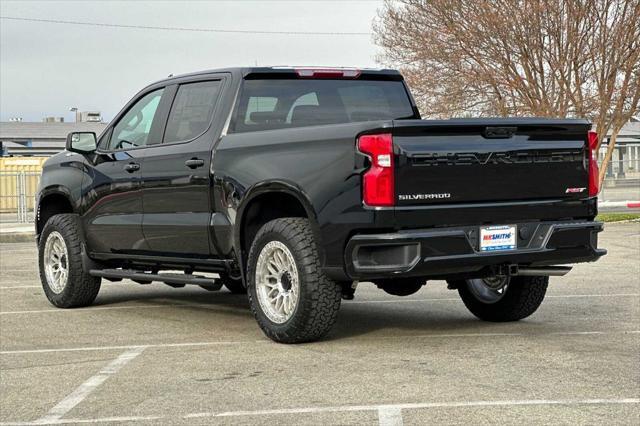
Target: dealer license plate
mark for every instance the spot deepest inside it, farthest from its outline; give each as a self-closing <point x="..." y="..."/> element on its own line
<point x="498" y="238"/>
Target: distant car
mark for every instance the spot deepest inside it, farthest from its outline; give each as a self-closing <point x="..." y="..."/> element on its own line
<point x="293" y="184"/>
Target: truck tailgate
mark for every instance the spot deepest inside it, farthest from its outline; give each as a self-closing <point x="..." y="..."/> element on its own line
<point x="489" y="160"/>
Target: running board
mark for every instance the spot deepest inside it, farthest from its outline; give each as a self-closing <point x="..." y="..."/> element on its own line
<point x="146" y="277"/>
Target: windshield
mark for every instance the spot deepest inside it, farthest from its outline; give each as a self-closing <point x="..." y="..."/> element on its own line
<point x="279" y="104"/>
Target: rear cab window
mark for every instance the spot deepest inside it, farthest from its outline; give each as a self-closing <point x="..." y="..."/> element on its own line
<point x="266" y="104"/>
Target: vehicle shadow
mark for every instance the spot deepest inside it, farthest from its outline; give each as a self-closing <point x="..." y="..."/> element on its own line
<point x="362" y="319"/>
<point x="354" y="319"/>
<point x="156" y="294"/>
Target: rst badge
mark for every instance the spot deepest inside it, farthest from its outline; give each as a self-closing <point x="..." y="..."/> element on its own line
<point x="497" y="238"/>
<point x="574" y="190"/>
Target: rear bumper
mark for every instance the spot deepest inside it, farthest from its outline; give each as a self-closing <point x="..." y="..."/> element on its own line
<point x="454" y="251"/>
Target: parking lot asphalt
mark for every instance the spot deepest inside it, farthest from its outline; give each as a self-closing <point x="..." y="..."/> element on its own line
<point x="157" y="355"/>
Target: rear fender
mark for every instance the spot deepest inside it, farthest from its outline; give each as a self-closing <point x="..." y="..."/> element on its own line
<point x="274" y="186"/>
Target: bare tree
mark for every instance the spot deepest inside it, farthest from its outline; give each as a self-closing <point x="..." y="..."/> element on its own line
<point x="550" y="58"/>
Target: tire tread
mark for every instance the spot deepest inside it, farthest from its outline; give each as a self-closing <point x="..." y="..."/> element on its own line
<point x="321" y="302"/>
<point x="81" y="288"/>
<point x="524" y="296"/>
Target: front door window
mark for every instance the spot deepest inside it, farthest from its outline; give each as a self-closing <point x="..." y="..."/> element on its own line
<point x="132" y="131"/>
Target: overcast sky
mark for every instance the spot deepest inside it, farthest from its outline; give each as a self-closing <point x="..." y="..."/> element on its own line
<point x="46" y="68"/>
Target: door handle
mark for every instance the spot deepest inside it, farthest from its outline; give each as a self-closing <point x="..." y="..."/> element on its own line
<point x="132" y="167"/>
<point x="194" y="163"/>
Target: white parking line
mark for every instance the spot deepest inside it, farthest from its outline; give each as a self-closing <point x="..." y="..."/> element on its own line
<point x="264" y="341"/>
<point x="455" y="299"/>
<point x="34" y="270"/>
<point x="213" y="305"/>
<point x="390" y="416"/>
<point x="391" y="413"/>
<point x="82" y="391"/>
<point x="108" y="308"/>
<point x="127" y="419"/>
<point x="19" y="286"/>
<point x="563" y="333"/>
<point x="553" y="296"/>
<point x="110" y="348"/>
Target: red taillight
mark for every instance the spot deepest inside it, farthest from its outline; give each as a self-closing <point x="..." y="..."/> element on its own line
<point x="594" y="173"/>
<point x="377" y="182"/>
<point x="328" y="72"/>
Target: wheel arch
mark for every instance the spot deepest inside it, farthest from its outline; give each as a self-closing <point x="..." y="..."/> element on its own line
<point x="52" y="201"/>
<point x="268" y="201"/>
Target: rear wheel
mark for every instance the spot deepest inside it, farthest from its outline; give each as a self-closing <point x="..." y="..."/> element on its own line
<point x="290" y="297"/>
<point x="502" y="299"/>
<point x="64" y="280"/>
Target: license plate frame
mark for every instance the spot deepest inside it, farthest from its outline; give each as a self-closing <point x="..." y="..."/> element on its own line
<point x="498" y="238"/>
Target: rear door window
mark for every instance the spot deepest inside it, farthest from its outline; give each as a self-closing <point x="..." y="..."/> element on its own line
<point x="191" y="111"/>
<point x="288" y="103"/>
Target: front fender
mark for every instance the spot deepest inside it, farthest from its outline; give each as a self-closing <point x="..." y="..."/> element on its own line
<point x="63" y="174"/>
<point x="55" y="190"/>
<point x="51" y="190"/>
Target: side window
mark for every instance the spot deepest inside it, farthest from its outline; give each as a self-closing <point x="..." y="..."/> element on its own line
<point x="191" y="110"/>
<point x="133" y="128"/>
<point x="256" y="106"/>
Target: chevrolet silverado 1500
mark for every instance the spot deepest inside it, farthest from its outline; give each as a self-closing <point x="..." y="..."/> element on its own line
<point x="293" y="184"/>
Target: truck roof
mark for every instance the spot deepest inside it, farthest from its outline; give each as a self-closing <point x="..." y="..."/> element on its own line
<point x="273" y="71"/>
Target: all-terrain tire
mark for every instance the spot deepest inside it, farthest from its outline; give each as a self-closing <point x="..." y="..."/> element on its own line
<point x="81" y="288"/>
<point x="233" y="285"/>
<point x="319" y="297"/>
<point x="522" y="298"/>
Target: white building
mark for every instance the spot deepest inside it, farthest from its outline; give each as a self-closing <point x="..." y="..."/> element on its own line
<point x="37" y="139"/>
<point x="625" y="160"/>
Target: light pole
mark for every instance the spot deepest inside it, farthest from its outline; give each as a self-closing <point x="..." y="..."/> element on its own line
<point x="74" y="109"/>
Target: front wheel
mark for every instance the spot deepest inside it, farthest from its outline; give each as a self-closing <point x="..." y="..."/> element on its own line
<point x="65" y="281"/>
<point x="290" y="297"/>
<point x="502" y="299"/>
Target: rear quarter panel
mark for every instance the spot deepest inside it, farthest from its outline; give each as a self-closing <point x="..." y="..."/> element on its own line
<point x="318" y="162"/>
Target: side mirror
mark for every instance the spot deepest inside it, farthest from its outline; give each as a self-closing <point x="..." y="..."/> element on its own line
<point x="81" y="142"/>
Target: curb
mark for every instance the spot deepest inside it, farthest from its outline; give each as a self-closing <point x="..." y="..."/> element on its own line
<point x="618" y="204"/>
<point x="17" y="237"/>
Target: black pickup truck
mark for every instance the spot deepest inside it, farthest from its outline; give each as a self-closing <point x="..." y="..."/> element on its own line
<point x="292" y="185"/>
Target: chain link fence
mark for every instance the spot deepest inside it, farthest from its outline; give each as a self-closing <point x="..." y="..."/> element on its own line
<point x="18" y="196"/>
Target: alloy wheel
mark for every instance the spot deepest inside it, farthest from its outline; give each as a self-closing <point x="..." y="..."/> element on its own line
<point x="488" y="290"/>
<point x="56" y="262"/>
<point x="277" y="282"/>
